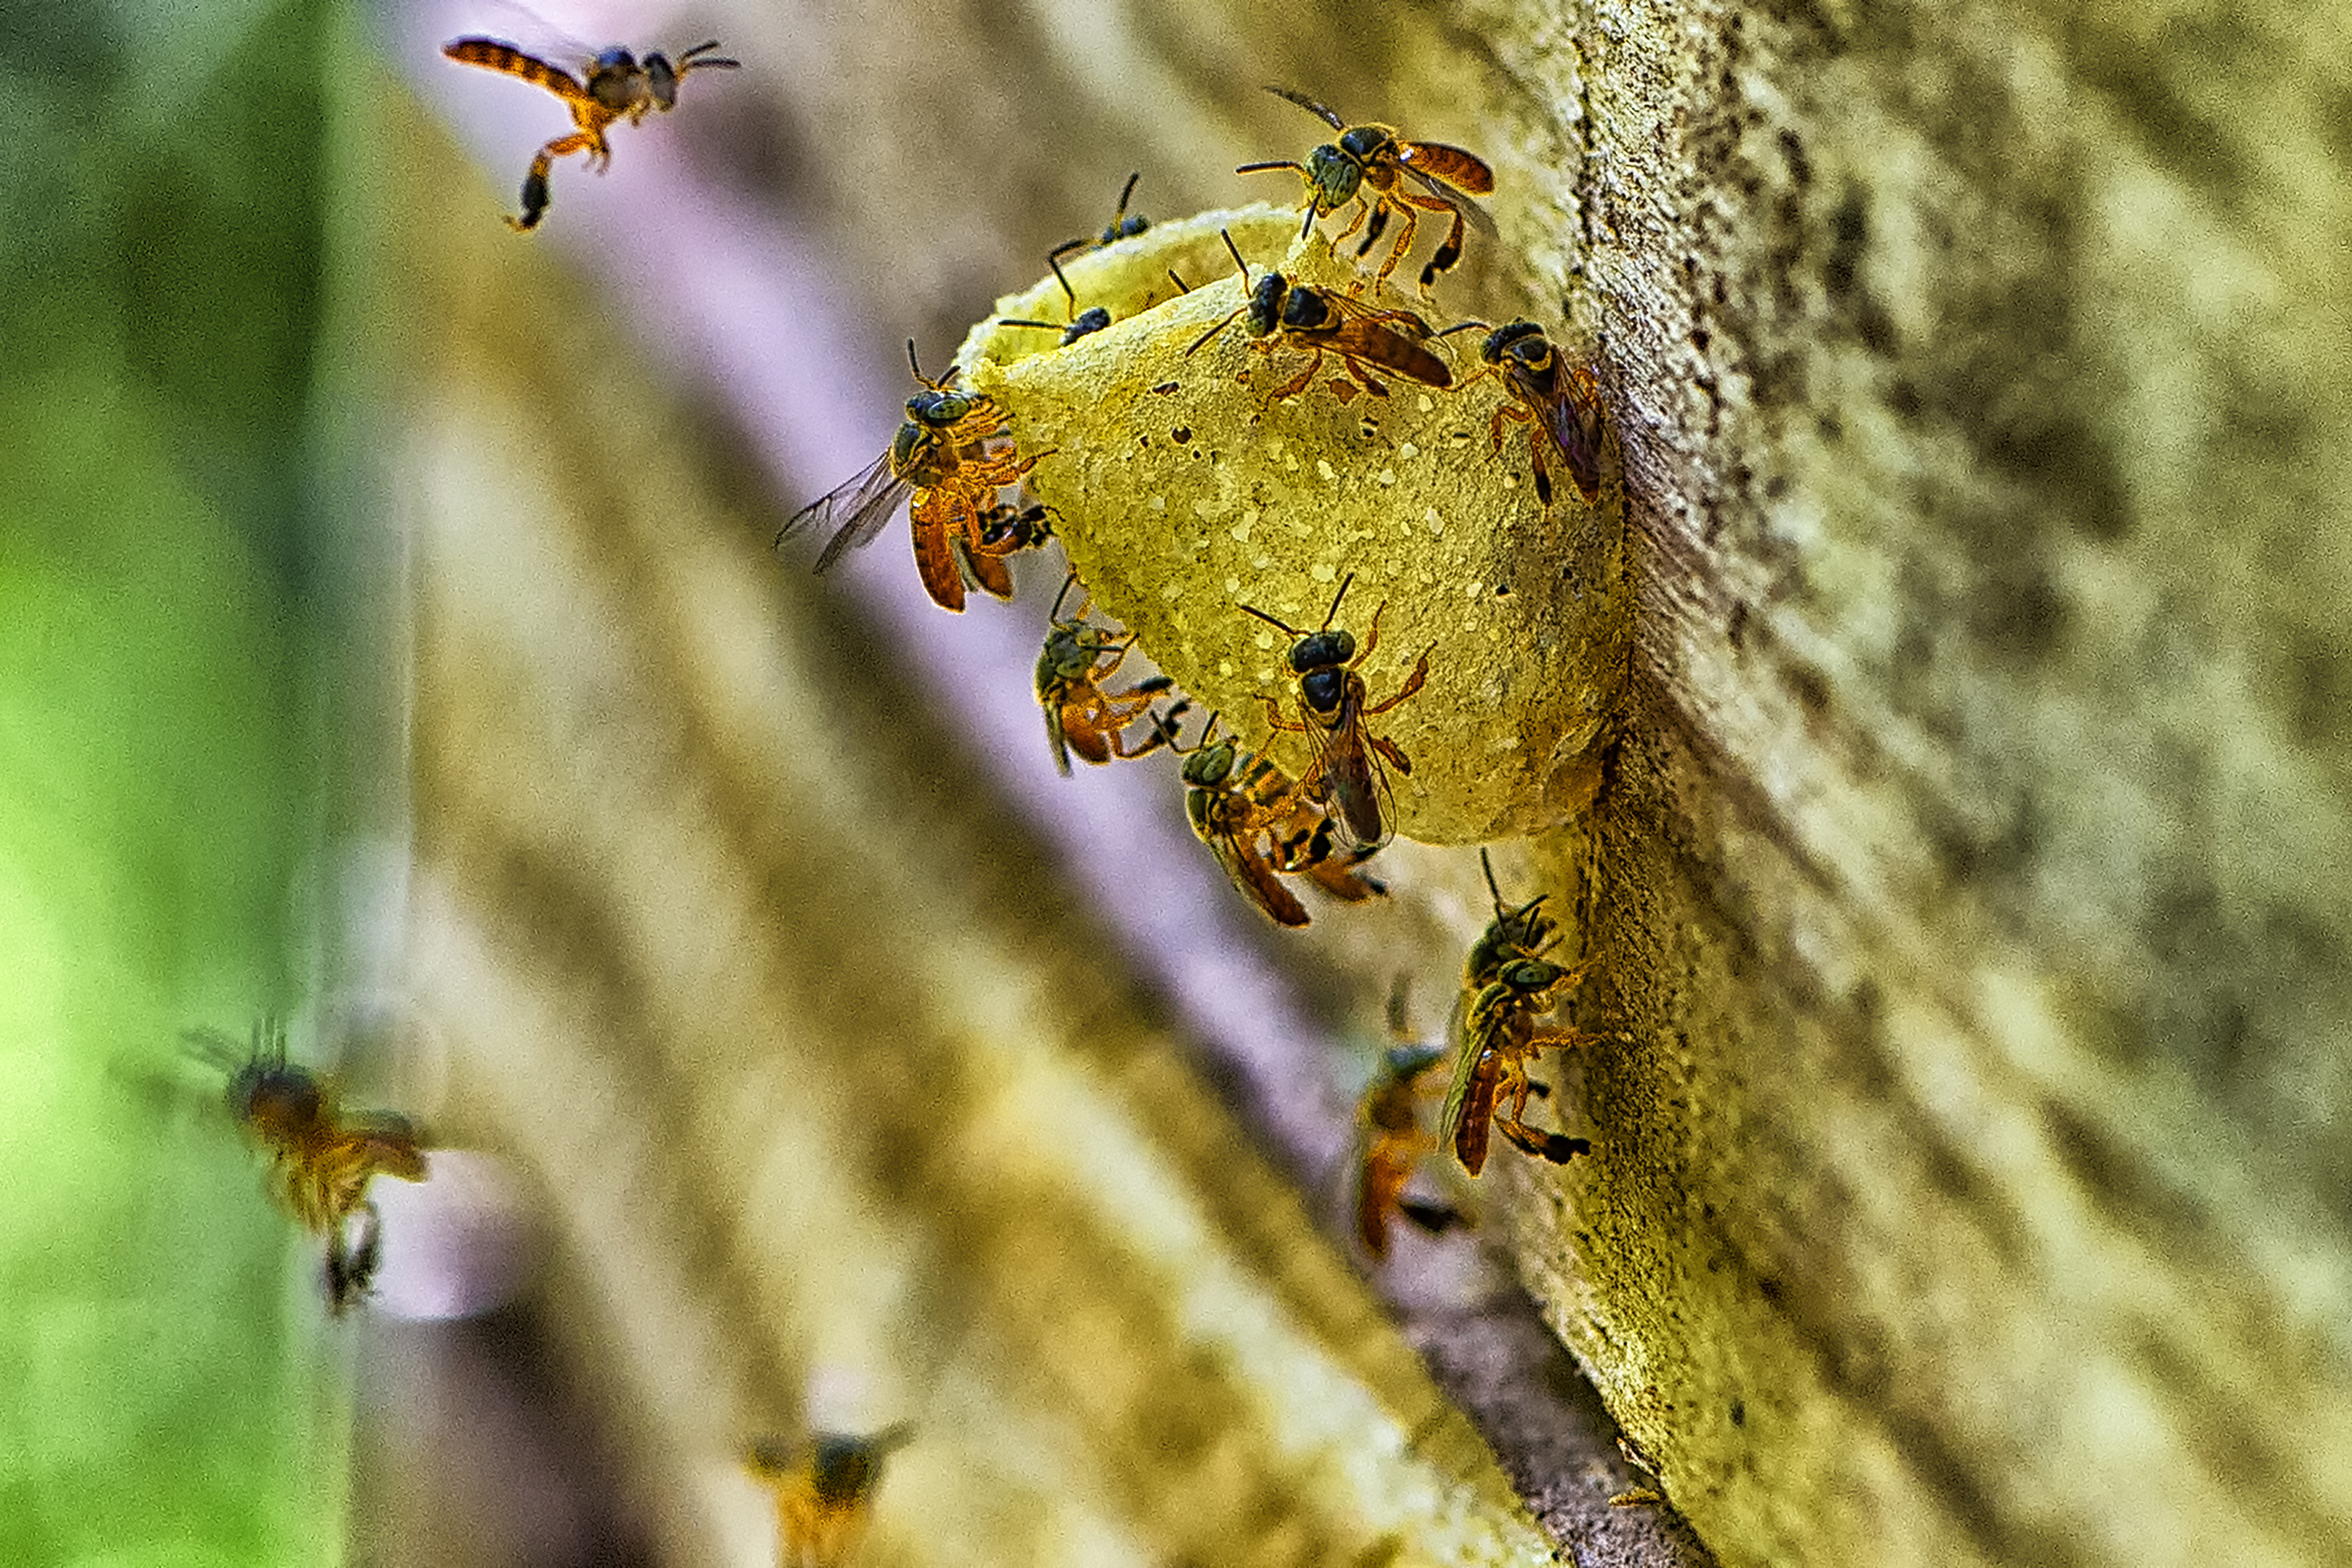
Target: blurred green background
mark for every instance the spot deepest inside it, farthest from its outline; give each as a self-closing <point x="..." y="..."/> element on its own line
<point x="165" y="597"/>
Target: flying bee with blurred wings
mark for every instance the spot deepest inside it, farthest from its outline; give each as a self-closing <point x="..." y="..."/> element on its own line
<point x="823" y="1490"/>
<point x="1280" y="314"/>
<point x="1375" y="158"/>
<point x="1261" y="826"/>
<point x="1561" y="401"/>
<point x="1333" y="704"/>
<point x="1390" y="1143"/>
<point x="948" y="461"/>
<point x="1080" y="716"/>
<point x="321" y="1157"/>
<point x="612" y="85"/>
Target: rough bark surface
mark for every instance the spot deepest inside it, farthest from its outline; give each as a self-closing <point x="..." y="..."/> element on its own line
<point x="1969" y="1189"/>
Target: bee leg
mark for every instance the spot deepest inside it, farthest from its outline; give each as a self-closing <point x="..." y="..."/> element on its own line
<point x="1535" y="461"/>
<point x="1297" y="383"/>
<point x="1360" y="210"/>
<point x="1372" y="230"/>
<point x="1404" y="242"/>
<point x="352" y="1268"/>
<point x="1371" y="384"/>
<point x="1448" y="252"/>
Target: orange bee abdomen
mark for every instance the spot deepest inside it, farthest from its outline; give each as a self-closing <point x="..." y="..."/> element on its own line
<point x="493" y="55"/>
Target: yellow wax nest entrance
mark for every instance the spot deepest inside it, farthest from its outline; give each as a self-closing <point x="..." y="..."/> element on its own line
<point x="1183" y="494"/>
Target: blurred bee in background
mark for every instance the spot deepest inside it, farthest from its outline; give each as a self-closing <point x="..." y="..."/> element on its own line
<point x="1333" y="705"/>
<point x="1122" y="225"/>
<point x="1080" y="716"/>
<point x="947" y="462"/>
<point x="321" y="1157"/>
<point x="1390" y="1140"/>
<point x="1262" y="827"/>
<point x="823" y="1490"/>
<point x="1299" y="315"/>
<point x="1375" y="157"/>
<point x="614" y="85"/>
<point x="1563" y="402"/>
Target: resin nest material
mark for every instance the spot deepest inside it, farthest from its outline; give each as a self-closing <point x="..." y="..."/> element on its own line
<point x="1183" y="494"/>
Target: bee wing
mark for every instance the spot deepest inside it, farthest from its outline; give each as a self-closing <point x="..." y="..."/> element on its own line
<point x="1572" y="420"/>
<point x="1460" y="1086"/>
<point x="526" y="29"/>
<point x="1354" y="784"/>
<point x="1249" y="871"/>
<point x="855" y="511"/>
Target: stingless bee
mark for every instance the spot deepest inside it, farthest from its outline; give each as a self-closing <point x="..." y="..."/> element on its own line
<point x="1499" y="1041"/>
<point x="1332" y="706"/>
<point x="947" y="463"/>
<point x="1080" y="716"/>
<point x="1374" y="157"/>
<point x="823" y="1490"/>
<point x="1561" y="401"/>
<point x="321" y="1157"/>
<point x="1391" y="1142"/>
<point x="1517" y="931"/>
<point x="1093" y="318"/>
<point x="1122" y="225"/>
<point x="612" y="86"/>
<point x="1302" y="316"/>
<point x="1261" y="826"/>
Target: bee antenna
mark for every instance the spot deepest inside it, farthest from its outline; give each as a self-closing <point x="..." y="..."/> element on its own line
<point x="1487" y="864"/>
<point x="1227" y="236"/>
<point x="1329" y="117"/>
<point x="1055" y="613"/>
<point x="1054" y="260"/>
<point x="1182" y="287"/>
<point x="1465" y="326"/>
<point x="1226" y="322"/>
<point x="1280" y="627"/>
<point x="1335" y="602"/>
<point x="913" y="366"/>
<point x="1125" y="191"/>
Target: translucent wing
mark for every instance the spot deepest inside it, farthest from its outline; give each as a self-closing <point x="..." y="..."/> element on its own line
<point x="854" y="511"/>
<point x="1249" y="871"/>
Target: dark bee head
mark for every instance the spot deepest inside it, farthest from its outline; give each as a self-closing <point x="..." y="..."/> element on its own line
<point x="940" y="409"/>
<point x="613" y="81"/>
<point x="845" y="1467"/>
<point x="1069" y="654"/>
<point x="1529" y="975"/>
<point x="1125" y="228"/>
<point x="1093" y="318"/>
<point x="274" y="1099"/>
<point x="1335" y="174"/>
<point x="1321" y="650"/>
<point x="661" y="80"/>
<point x="1210" y="764"/>
<point x="1266" y="303"/>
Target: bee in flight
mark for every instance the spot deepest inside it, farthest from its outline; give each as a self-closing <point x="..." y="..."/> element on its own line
<point x="1299" y="315"/>
<point x="1390" y="1143"/>
<point x="823" y="1490"/>
<point x="1506" y="988"/>
<point x="1080" y="716"/>
<point x="1561" y="401"/>
<point x="1375" y="157"/>
<point x="1333" y="705"/>
<point x="1262" y="827"/>
<point x="321" y="1157"/>
<point x="614" y="85"/>
<point x="947" y="462"/>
